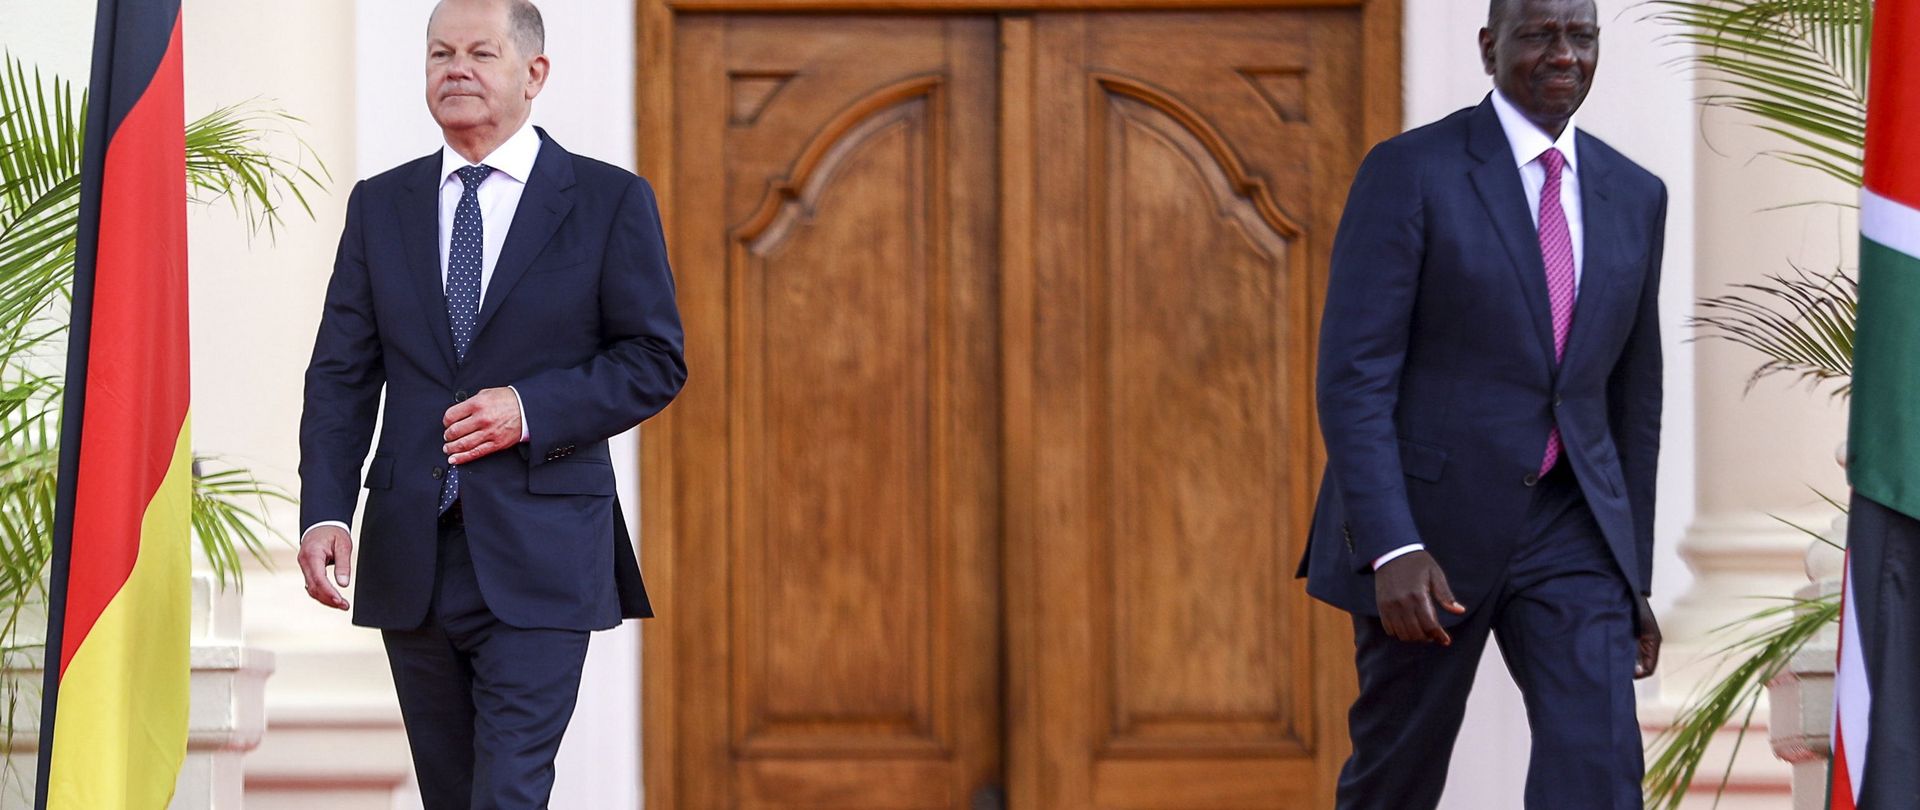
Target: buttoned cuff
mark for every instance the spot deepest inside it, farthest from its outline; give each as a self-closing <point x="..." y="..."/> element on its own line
<point x="525" y="432"/>
<point x="1398" y="553"/>
<point x="309" y="530"/>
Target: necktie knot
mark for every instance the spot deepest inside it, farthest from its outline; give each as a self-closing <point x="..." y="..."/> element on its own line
<point x="1553" y="161"/>
<point x="473" y="176"/>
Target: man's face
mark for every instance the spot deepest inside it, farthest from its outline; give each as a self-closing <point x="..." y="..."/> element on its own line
<point x="476" y="75"/>
<point x="1541" y="54"/>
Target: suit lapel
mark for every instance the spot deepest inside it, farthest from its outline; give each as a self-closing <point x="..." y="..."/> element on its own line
<point x="1497" y="181"/>
<point x="1598" y="268"/>
<point x="419" y="205"/>
<point x="543" y="206"/>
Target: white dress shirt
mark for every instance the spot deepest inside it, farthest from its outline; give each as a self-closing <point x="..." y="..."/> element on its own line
<point x="1529" y="142"/>
<point x="499" y="198"/>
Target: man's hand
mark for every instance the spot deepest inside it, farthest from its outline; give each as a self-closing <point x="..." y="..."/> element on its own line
<point x="325" y="546"/>
<point x="486" y="423"/>
<point x="1407" y="588"/>
<point x="1648" y="631"/>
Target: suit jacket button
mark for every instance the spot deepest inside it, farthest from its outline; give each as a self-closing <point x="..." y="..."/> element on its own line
<point x="459" y="396"/>
<point x="439" y="471"/>
<point x="1556" y="400"/>
<point x="1531" y="479"/>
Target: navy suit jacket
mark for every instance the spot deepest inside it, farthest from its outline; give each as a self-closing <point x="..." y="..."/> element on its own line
<point x="1437" y="385"/>
<point x="578" y="316"/>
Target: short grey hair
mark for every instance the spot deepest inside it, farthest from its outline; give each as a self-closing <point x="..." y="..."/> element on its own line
<point x="529" y="32"/>
<point x="524" y="26"/>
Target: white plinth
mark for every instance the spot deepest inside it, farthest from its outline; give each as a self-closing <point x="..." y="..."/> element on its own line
<point x="225" y="718"/>
<point x="1802" y="701"/>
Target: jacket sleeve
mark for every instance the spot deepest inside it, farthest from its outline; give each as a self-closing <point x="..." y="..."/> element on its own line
<point x="640" y="366"/>
<point x="1634" y="393"/>
<point x="343" y="383"/>
<point x="1372" y="286"/>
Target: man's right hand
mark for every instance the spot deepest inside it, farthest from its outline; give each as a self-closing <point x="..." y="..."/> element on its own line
<point x="1407" y="588"/>
<point x="321" y="547"/>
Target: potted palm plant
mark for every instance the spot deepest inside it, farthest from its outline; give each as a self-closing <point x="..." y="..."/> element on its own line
<point x="41" y="133"/>
<point x="1797" y="69"/>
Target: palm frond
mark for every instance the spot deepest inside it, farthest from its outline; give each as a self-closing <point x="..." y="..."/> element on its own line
<point x="1802" y="324"/>
<point x="228" y="158"/>
<point x="1797" y="66"/>
<point x="230" y="515"/>
<point x="233" y="154"/>
<point x="1732" y="699"/>
<point x="40" y="134"/>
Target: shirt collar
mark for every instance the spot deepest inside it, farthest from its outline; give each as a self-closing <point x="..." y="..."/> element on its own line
<point x="514" y="158"/>
<point x="1528" y="140"/>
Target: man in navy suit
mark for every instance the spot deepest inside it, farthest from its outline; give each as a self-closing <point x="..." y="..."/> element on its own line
<point x="1489" y="392"/>
<point x="514" y="304"/>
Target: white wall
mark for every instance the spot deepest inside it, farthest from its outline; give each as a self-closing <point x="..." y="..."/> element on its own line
<point x="56" y="37"/>
<point x="587" y="107"/>
<point x="1642" y="106"/>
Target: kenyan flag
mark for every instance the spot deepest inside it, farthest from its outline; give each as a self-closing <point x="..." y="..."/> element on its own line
<point x="1876" y="734"/>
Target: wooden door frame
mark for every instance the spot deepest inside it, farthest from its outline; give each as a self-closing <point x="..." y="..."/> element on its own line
<point x="1381" y="117"/>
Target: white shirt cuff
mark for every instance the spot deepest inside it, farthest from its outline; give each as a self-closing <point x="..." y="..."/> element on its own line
<point x="309" y="530"/>
<point x="1398" y="553"/>
<point x="525" y="432"/>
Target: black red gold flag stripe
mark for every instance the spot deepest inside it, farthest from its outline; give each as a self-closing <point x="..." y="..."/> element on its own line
<point x="114" y="711"/>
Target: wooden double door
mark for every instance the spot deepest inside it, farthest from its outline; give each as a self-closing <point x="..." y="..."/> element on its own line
<point x="998" y="449"/>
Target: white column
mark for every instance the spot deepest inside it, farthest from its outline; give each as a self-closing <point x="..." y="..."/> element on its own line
<point x="1765" y="453"/>
<point x="227" y="714"/>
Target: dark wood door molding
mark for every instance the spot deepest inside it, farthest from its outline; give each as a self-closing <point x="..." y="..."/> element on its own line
<point x="997" y="449"/>
<point x="834" y="530"/>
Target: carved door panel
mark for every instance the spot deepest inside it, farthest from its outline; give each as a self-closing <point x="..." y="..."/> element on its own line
<point x="998" y="447"/>
<point x="835" y="556"/>
<point x="1189" y="175"/>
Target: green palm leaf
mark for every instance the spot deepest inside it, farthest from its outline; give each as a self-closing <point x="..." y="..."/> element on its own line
<point x="1798" y="66"/>
<point x="1802" y="325"/>
<point x="1732" y="698"/>
<point x="1799" y="69"/>
<point x="42" y="132"/>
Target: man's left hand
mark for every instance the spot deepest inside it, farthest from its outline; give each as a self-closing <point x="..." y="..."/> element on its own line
<point x="485" y="423"/>
<point x="1648" y="655"/>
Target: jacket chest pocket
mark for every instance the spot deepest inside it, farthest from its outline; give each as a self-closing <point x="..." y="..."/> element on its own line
<point x="572" y="263"/>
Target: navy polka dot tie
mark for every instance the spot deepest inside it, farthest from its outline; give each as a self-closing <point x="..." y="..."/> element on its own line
<point x="463" y="287"/>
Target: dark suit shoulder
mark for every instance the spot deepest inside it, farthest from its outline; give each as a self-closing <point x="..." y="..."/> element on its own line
<point x="1447" y="135"/>
<point x="392" y="179"/>
<point x="1415" y="154"/>
<point x="1624" y="173"/>
<point x="599" y="173"/>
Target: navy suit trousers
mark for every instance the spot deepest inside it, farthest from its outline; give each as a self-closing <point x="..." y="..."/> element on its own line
<point x="1563" y="615"/>
<point x="485" y="703"/>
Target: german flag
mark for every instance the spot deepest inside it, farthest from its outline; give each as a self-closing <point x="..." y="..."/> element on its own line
<point x="114" y="711"/>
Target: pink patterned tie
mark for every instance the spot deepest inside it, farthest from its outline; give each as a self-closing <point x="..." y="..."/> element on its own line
<point x="1556" y="248"/>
